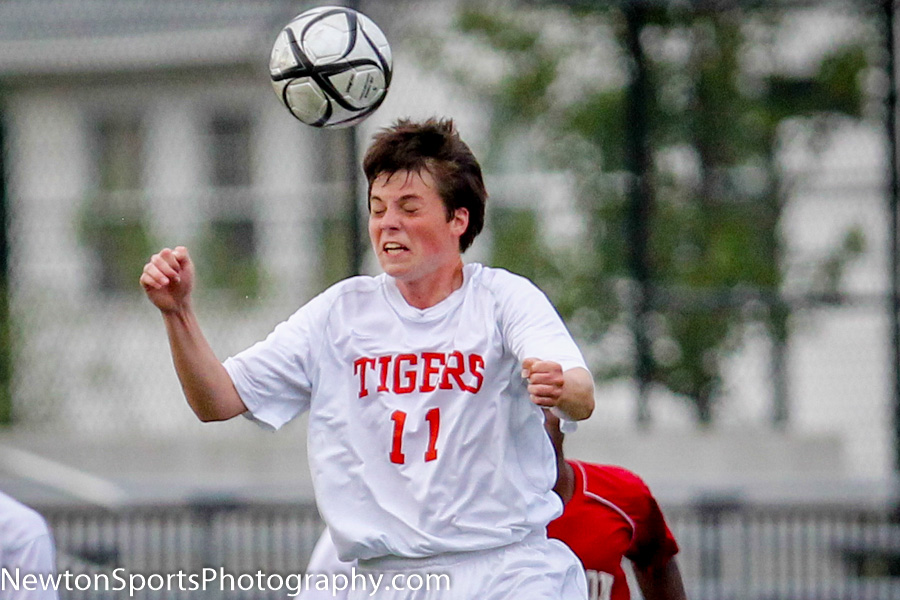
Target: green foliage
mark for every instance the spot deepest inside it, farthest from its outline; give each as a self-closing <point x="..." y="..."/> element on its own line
<point x="228" y="260"/>
<point x="827" y="279"/>
<point x="495" y="28"/>
<point x="835" y="88"/>
<point x="336" y="248"/>
<point x="120" y="243"/>
<point x="715" y="122"/>
<point x="518" y="245"/>
<point x="599" y="119"/>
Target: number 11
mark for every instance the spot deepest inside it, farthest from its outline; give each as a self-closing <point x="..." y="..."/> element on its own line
<point x="433" y="417"/>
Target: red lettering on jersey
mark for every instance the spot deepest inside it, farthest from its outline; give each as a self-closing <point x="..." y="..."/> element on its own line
<point x="359" y="368"/>
<point x="455" y="372"/>
<point x="410" y="374"/>
<point x="399" y="419"/>
<point x="429" y="368"/>
<point x="433" y="417"/>
<point x="425" y="372"/>
<point x="476" y="366"/>
<point x="384" y="365"/>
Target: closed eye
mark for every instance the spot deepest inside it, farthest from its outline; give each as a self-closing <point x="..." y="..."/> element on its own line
<point x="410" y="205"/>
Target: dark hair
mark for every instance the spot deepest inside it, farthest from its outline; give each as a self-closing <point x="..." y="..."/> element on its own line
<point x="434" y="146"/>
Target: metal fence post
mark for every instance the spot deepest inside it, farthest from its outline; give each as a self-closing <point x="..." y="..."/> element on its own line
<point x="6" y="415"/>
<point x="640" y="204"/>
<point x="893" y="193"/>
<point x="351" y="139"/>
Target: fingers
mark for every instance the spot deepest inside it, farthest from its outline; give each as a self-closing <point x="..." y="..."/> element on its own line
<point x="526" y="366"/>
<point x="180" y="254"/>
<point x="541" y="371"/>
<point x="165" y="267"/>
<point x="545" y="381"/>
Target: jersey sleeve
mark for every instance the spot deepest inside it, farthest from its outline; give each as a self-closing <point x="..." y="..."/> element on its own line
<point x="26" y="544"/>
<point x="37" y="557"/>
<point x="274" y="377"/>
<point x="653" y="543"/>
<point x="530" y="324"/>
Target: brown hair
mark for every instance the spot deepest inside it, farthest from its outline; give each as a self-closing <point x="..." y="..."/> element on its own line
<point x="434" y="146"/>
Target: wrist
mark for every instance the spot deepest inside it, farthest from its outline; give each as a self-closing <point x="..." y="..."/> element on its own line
<point x="181" y="312"/>
<point x="566" y="423"/>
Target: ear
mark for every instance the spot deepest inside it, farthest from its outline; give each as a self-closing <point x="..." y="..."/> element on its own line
<point x="460" y="221"/>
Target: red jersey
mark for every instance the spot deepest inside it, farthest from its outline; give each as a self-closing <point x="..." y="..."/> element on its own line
<point x="612" y="514"/>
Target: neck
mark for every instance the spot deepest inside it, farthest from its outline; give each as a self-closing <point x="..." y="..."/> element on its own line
<point x="428" y="291"/>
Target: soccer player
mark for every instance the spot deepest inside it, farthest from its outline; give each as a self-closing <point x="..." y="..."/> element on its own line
<point x="609" y="514"/>
<point x="27" y="545"/>
<point x="423" y="385"/>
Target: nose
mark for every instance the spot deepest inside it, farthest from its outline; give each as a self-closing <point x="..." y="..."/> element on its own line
<point x="390" y="219"/>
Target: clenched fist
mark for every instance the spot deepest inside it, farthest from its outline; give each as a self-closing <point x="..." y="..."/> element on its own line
<point x="545" y="381"/>
<point x="169" y="278"/>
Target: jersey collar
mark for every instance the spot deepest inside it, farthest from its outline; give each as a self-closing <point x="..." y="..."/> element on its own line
<point x="396" y="300"/>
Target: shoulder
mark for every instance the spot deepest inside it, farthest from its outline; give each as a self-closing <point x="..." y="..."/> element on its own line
<point x="617" y="486"/>
<point x="360" y="285"/>
<point x="19" y="524"/>
<point x="351" y="291"/>
<point x="504" y="286"/>
<point x="496" y="277"/>
<point x="606" y="476"/>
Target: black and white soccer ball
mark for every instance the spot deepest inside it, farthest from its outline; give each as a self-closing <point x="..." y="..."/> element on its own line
<point x="331" y="66"/>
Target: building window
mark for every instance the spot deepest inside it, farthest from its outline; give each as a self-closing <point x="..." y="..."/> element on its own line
<point x="230" y="150"/>
<point x="113" y="222"/>
<point x="229" y="247"/>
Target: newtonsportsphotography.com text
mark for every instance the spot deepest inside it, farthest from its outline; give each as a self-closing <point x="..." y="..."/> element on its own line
<point x="125" y="581"/>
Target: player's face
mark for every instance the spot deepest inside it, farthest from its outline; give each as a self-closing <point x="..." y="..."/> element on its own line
<point x="409" y="229"/>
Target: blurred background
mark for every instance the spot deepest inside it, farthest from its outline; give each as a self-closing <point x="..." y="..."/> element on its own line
<point x="707" y="190"/>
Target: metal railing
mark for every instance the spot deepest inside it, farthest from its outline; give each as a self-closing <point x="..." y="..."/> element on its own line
<point x="728" y="550"/>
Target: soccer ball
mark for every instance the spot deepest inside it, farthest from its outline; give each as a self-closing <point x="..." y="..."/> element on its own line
<point x="331" y="66"/>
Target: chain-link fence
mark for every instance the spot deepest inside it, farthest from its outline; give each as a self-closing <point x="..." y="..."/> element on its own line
<point x="733" y="259"/>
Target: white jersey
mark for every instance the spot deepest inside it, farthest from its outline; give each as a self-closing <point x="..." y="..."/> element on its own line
<point x="534" y="568"/>
<point x="324" y="561"/>
<point x="422" y="437"/>
<point x="25" y="544"/>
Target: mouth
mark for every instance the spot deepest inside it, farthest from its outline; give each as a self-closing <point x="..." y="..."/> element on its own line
<point x="391" y="248"/>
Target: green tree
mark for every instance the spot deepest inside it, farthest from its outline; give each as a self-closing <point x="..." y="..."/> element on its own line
<point x="720" y="112"/>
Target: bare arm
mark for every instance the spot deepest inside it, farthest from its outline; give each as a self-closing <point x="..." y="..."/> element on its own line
<point x="570" y="391"/>
<point x="661" y="582"/>
<point x="168" y="282"/>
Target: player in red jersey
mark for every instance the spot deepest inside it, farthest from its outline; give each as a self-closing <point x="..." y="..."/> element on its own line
<point x="610" y="513"/>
